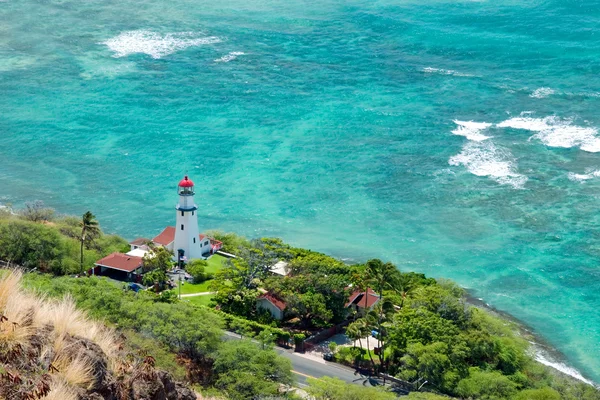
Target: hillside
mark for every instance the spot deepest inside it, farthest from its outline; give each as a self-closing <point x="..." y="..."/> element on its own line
<point x="51" y="350"/>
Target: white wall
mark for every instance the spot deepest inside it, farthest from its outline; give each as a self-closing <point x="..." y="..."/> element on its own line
<point x="267" y="305"/>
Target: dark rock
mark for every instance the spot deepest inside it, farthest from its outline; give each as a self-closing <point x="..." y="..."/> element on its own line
<point x="184" y="392"/>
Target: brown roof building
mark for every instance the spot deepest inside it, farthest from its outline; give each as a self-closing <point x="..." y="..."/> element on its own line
<point x="120" y="262"/>
<point x="273" y="304"/>
<point x="360" y="299"/>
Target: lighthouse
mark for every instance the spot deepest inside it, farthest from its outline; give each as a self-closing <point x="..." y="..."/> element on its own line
<point x="188" y="242"/>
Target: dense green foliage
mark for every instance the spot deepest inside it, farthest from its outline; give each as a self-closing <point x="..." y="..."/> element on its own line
<point x="428" y="336"/>
<point x="334" y="389"/>
<point x="239" y="368"/>
<point x="55" y="245"/>
<point x="197" y="269"/>
<point x="243" y="370"/>
<point x="426" y="333"/>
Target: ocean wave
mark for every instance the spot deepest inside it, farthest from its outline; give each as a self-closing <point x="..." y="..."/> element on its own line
<point x="154" y="44"/>
<point x="542" y="92"/>
<point x="229" y="57"/>
<point x="471" y="130"/>
<point x="556" y="132"/>
<point x="485" y="159"/>
<point x="543" y="357"/>
<point x="584" y="177"/>
<point x="440" y="71"/>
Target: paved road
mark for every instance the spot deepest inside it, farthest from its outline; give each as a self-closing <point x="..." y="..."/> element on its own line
<point x="307" y="367"/>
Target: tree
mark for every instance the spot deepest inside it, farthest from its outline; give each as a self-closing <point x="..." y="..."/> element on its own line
<point x="89" y="231"/>
<point x="31" y="245"/>
<point x="158" y="257"/>
<point x="246" y="371"/>
<point x="538" y="394"/>
<point x="310" y="308"/>
<point x="35" y="211"/>
<point x="327" y="388"/>
<point x="426" y="363"/>
<point x="196" y="268"/>
<point x="486" y="385"/>
<point x="156" y="276"/>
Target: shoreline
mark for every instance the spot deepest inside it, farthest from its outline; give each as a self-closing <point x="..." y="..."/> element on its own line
<point x="541" y="351"/>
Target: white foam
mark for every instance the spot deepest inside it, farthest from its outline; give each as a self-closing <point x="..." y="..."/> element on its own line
<point x="440" y="71"/>
<point x="542" y="93"/>
<point x="229" y="57"/>
<point x="471" y="130"/>
<point x="556" y="132"/>
<point x="584" y="177"/>
<point x="485" y="159"/>
<point x="154" y="44"/>
<point x="542" y="357"/>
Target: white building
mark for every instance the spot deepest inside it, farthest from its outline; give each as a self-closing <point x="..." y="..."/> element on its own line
<point x="183" y="239"/>
<point x="187" y="243"/>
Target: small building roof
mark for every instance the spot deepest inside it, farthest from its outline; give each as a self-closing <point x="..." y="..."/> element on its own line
<point x="166" y="237"/>
<point x="139" y="242"/>
<point x="271" y="298"/>
<point x="139" y="252"/>
<point x="280" y="268"/>
<point x="363" y="299"/>
<point x="121" y="262"/>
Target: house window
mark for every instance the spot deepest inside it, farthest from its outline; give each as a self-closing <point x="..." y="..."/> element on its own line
<point x="194" y="240"/>
<point x="181" y="226"/>
<point x="205" y="243"/>
<point x="182" y="213"/>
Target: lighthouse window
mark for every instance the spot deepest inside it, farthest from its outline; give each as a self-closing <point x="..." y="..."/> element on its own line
<point x="194" y="240"/>
<point x="192" y="213"/>
<point x="182" y="213"/>
<point x="181" y="226"/>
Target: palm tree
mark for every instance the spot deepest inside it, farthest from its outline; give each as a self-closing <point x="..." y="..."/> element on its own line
<point x="89" y="231"/>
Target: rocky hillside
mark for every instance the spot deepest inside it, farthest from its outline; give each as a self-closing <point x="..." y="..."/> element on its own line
<point x="51" y="350"/>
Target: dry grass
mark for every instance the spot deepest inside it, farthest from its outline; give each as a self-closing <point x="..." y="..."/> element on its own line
<point x="60" y="390"/>
<point x="22" y="317"/>
<point x="77" y="371"/>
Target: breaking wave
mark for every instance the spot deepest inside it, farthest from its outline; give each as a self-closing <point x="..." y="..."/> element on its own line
<point x="154" y="44"/>
<point x="556" y="132"/>
<point x="471" y="130"/>
<point x="542" y="93"/>
<point x="584" y="177"/>
<point x="440" y="71"/>
<point x="229" y="57"/>
<point x="543" y="357"/>
<point x="485" y="159"/>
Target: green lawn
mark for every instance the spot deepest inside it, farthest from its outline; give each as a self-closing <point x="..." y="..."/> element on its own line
<point x="215" y="263"/>
<point x="199" y="300"/>
<point x="189" y="288"/>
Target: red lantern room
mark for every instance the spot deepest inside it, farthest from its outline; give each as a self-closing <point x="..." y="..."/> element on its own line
<point x="186" y="187"/>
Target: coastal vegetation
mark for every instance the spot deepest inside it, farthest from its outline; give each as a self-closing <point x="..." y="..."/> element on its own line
<point x="421" y="331"/>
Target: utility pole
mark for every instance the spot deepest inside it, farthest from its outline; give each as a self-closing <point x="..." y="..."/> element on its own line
<point x="179" y="275"/>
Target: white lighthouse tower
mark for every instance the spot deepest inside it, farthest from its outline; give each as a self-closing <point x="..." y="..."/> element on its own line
<point x="187" y="244"/>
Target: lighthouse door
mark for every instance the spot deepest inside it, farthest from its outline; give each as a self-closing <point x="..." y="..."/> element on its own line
<point x="180" y="258"/>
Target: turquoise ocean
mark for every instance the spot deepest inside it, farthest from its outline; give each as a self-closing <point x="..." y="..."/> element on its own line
<point x="455" y="138"/>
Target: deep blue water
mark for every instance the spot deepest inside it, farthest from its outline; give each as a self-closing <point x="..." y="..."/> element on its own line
<point x="341" y="126"/>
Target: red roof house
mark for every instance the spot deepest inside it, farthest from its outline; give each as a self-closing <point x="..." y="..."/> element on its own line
<point x="121" y="263"/>
<point x="166" y="237"/>
<point x="361" y="300"/>
<point x="273" y="304"/>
